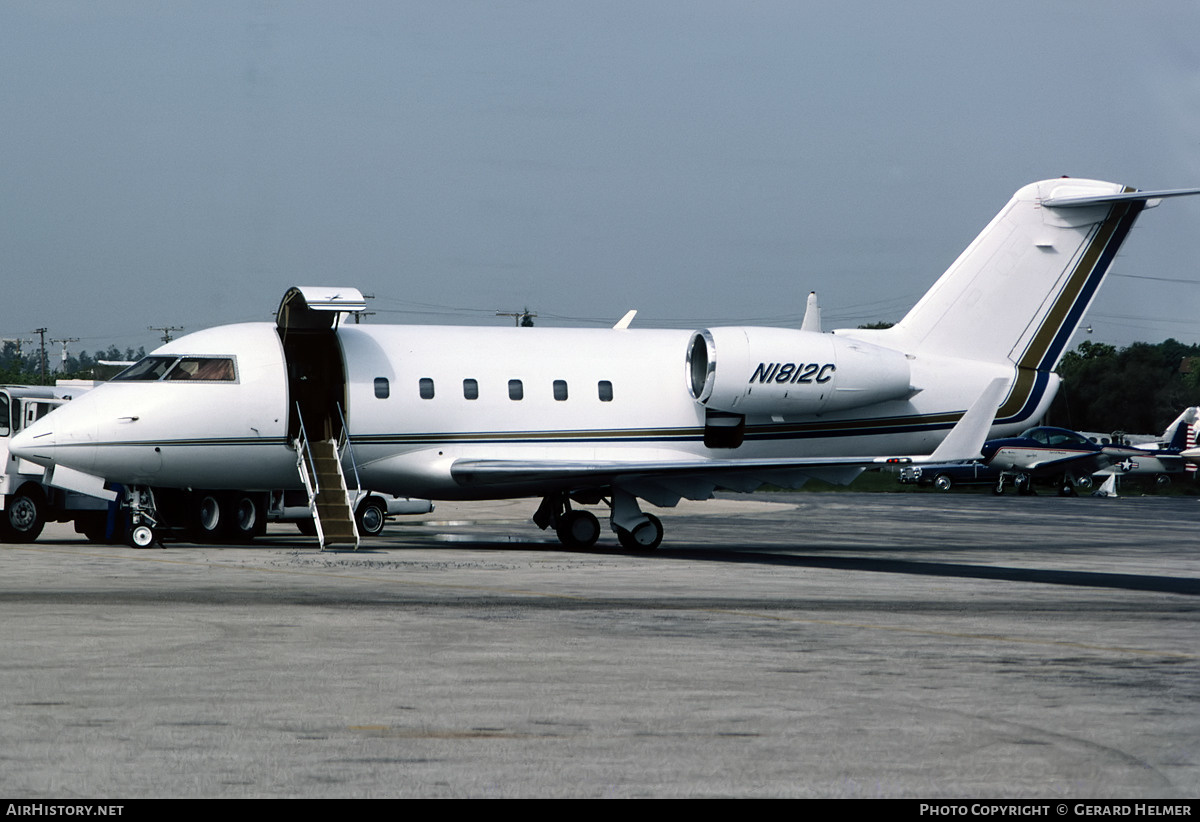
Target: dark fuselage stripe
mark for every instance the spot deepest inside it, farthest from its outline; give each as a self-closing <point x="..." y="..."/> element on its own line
<point x="1043" y="351"/>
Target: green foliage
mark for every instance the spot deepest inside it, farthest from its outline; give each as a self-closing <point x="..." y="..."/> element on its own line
<point x="1140" y="388"/>
<point x="23" y="367"/>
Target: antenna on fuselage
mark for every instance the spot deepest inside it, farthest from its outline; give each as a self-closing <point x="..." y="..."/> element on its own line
<point x="812" y="314"/>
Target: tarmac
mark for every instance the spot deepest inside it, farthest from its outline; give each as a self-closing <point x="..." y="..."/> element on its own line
<point x="776" y="645"/>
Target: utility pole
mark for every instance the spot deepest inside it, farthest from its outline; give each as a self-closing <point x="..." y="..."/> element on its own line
<point x="41" y="332"/>
<point x="65" y="342"/>
<point x="17" y="343"/>
<point x="521" y="319"/>
<point x="358" y="315"/>
<point x="166" y="330"/>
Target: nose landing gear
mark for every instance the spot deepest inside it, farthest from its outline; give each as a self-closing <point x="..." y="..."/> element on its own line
<point x="142" y="531"/>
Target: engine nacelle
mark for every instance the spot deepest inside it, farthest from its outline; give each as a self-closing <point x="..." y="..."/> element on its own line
<point x="781" y="371"/>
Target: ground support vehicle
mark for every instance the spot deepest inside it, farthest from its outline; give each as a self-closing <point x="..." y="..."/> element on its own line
<point x="26" y="502"/>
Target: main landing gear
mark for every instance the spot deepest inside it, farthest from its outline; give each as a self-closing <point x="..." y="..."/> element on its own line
<point x="1022" y="482"/>
<point x="580" y="529"/>
<point x="1068" y="485"/>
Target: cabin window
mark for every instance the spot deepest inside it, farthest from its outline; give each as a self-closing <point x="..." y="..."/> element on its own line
<point x="605" y="389"/>
<point x="426" y="388"/>
<point x="560" y="390"/>
<point x="516" y="390"/>
<point x="208" y="369"/>
<point x="382" y="388"/>
<point x="471" y="389"/>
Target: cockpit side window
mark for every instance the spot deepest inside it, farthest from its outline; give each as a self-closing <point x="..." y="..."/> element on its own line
<point x="147" y="368"/>
<point x="211" y="369"/>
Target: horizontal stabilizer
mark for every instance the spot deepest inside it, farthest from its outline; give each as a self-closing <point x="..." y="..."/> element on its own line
<point x="1110" y="199"/>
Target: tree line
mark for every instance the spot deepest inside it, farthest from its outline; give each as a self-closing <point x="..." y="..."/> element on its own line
<point x="19" y="366"/>
<point x="1137" y="389"/>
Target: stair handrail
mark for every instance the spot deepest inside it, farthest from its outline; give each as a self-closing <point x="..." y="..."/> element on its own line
<point x="345" y="443"/>
<point x="304" y="452"/>
<point x="308" y="475"/>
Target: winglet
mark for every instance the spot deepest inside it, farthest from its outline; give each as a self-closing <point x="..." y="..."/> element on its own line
<point x="626" y="320"/>
<point x="965" y="440"/>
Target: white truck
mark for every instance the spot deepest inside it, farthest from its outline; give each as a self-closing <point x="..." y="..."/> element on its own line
<point x="26" y="502"/>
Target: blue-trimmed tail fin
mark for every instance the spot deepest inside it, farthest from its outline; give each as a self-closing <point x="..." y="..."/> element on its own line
<point x="1175" y="438"/>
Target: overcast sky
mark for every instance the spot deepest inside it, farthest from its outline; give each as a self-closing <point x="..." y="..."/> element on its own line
<point x="183" y="163"/>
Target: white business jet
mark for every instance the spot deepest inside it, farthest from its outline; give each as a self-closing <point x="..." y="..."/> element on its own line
<point x="580" y="416"/>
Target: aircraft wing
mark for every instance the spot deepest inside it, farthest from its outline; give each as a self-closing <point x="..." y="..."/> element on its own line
<point x="1082" y="463"/>
<point x="664" y="482"/>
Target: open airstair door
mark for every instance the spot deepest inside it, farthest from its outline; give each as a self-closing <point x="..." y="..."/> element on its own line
<point x="307" y="322"/>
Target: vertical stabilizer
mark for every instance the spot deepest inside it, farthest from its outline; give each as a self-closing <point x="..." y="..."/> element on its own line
<point x="1019" y="290"/>
<point x="1175" y="438"/>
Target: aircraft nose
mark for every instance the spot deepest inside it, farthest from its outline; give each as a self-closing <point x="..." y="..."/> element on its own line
<point x="28" y="445"/>
<point x="59" y="438"/>
<point x="34" y="445"/>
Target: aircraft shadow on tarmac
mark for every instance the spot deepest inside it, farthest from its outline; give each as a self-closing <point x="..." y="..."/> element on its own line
<point x="1089" y="579"/>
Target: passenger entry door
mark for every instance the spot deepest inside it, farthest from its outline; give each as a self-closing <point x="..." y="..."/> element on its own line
<point x="307" y="321"/>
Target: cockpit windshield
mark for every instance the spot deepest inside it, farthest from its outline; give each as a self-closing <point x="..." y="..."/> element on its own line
<point x="207" y="369"/>
<point x="147" y="368"/>
<point x="1057" y="437"/>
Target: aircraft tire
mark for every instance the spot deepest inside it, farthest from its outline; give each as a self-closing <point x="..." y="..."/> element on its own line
<point x="306" y="527"/>
<point x="246" y="517"/>
<point x="23" y="517"/>
<point x="211" y="515"/>
<point x="644" y="537"/>
<point x="142" y="536"/>
<point x="371" y="517"/>
<point x="578" y="529"/>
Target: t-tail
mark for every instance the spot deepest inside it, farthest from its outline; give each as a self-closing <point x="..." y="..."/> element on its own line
<point x="1020" y="289"/>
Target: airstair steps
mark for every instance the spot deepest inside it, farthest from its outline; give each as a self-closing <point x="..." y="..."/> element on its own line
<point x="330" y="504"/>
